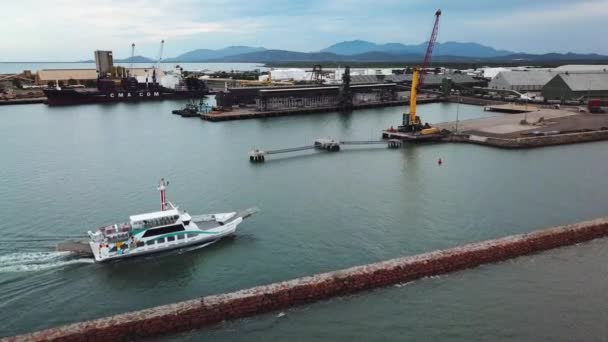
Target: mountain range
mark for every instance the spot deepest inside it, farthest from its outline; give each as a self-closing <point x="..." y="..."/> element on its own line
<point x="364" y="51"/>
<point x="356" y="47"/>
<point x="208" y="54"/>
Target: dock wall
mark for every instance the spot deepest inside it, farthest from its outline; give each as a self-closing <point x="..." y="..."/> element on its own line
<point x="22" y="101"/>
<point x="208" y="310"/>
<point x="530" y="142"/>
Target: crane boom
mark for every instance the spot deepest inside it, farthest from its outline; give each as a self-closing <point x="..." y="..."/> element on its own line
<point x="160" y="54"/>
<point x="414" y="120"/>
<point x="132" y="56"/>
<point x="429" y="48"/>
<point x="411" y="122"/>
<point x="157" y="64"/>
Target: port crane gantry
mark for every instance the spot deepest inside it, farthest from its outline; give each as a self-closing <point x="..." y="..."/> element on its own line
<point x="157" y="64"/>
<point x="132" y="57"/>
<point x="411" y="122"/>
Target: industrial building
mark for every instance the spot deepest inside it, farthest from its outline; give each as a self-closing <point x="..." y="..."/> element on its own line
<point x="435" y="81"/>
<point x="293" y="97"/>
<point x="577" y="86"/>
<point x="318" y="97"/>
<point x="366" y="79"/>
<point x="522" y="81"/>
<point x="581" y="67"/>
<point x="85" y="76"/>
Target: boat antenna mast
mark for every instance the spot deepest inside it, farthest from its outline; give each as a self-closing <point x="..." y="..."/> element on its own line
<point x="162" y="187"/>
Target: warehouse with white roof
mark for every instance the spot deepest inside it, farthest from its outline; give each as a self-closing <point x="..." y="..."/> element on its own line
<point x="577" y="86"/>
<point x="521" y="81"/>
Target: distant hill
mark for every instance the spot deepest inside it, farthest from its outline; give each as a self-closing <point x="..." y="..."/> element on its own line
<point x="570" y="56"/>
<point x="364" y="51"/>
<point x="280" y="56"/>
<point x="357" y="47"/>
<point x="136" y="59"/>
<point x="274" y="56"/>
<point x="208" y="54"/>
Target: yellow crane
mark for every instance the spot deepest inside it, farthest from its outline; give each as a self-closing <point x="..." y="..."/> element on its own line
<point x="414" y="121"/>
<point x="411" y="122"/>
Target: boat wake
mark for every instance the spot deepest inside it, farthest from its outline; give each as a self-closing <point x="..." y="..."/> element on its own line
<point x="38" y="261"/>
<point x="193" y="248"/>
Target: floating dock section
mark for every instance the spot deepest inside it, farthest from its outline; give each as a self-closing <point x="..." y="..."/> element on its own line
<point x="196" y="313"/>
<point x="266" y="102"/>
<point x="252" y="113"/>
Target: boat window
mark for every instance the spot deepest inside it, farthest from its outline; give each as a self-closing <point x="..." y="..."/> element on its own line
<point x="180" y="237"/>
<point x="161" y="240"/>
<point x="164" y="230"/>
<point x="170" y="238"/>
<point x="149" y="242"/>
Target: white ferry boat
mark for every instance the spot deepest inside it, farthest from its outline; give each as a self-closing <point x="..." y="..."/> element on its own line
<point x="160" y="231"/>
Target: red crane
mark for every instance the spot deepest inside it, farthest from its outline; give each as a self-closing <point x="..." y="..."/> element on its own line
<point x="429" y="49"/>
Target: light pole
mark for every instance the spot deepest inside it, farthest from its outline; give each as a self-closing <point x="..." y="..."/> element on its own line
<point x="526" y="112"/>
<point x="457" y="110"/>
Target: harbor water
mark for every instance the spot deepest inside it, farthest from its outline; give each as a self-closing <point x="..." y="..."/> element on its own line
<point x="66" y="170"/>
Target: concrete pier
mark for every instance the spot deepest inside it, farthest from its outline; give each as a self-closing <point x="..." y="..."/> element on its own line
<point x="26" y="100"/>
<point x="544" y="127"/>
<point x="530" y="142"/>
<point x="209" y="310"/>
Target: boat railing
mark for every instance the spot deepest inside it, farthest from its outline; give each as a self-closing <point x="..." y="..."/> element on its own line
<point x="115" y="228"/>
<point x="163" y="221"/>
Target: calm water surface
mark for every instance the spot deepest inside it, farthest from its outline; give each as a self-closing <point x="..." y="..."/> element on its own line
<point x="66" y="170"/>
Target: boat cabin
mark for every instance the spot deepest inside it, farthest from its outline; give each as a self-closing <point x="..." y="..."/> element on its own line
<point x="155" y="219"/>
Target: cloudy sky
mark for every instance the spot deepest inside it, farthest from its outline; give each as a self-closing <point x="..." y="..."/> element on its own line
<point x="65" y="30"/>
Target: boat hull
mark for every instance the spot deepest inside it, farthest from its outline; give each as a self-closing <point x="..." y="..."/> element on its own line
<point x="202" y="238"/>
<point x="64" y="97"/>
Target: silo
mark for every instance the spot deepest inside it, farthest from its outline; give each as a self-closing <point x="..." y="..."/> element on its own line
<point x="103" y="63"/>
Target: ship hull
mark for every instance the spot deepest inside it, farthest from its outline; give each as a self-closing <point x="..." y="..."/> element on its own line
<point x="83" y="96"/>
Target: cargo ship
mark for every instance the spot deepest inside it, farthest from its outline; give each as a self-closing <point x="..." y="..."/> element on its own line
<point x="120" y="84"/>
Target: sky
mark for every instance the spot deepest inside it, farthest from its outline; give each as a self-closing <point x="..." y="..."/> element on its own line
<point x="70" y="30"/>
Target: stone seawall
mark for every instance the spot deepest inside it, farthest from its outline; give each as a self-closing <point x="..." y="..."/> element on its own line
<point x="530" y="142"/>
<point x="208" y="310"/>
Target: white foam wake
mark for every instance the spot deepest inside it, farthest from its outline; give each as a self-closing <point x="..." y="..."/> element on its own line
<point x="38" y="261"/>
